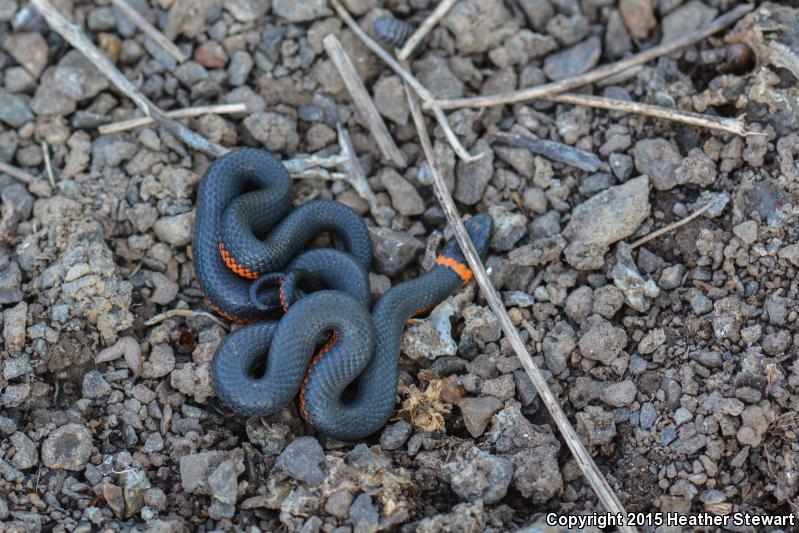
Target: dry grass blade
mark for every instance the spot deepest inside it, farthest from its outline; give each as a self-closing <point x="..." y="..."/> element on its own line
<point x="185" y="313"/>
<point x="355" y="175"/>
<point x="405" y="74"/>
<point x="16" y="173"/>
<point x="363" y="102"/>
<point x="75" y="37"/>
<point x="598" y="73"/>
<point x="595" y="478"/>
<point x="132" y="123"/>
<point x="735" y="126"/>
<point x="671" y="227"/>
<point x="47" y="165"/>
<point x="425" y="28"/>
<point x="148" y="29"/>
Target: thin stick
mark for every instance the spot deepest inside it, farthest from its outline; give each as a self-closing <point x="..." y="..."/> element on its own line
<point x="355" y="175"/>
<point x="74" y="36"/>
<point x="405" y="74"/>
<point x="425" y="28"/>
<point x="735" y="126"/>
<point x="184" y="313"/>
<point x="592" y="473"/>
<point x="132" y="123"/>
<point x="671" y="227"/>
<point x="150" y="30"/>
<point x="363" y="102"/>
<point x="16" y="173"/>
<point x="598" y="73"/>
<point x="47" y="166"/>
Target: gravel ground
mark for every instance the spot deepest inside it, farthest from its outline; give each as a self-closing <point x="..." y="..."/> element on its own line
<point x="676" y="361"/>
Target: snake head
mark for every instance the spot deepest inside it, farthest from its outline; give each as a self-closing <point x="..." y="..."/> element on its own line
<point x="479" y="228"/>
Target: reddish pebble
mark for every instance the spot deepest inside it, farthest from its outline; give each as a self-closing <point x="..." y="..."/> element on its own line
<point x="211" y="54"/>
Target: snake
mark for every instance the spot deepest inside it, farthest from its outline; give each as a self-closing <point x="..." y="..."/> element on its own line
<point x="309" y="332"/>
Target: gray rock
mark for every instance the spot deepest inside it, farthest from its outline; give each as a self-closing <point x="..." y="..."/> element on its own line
<point x="605" y="218"/>
<point x="508" y="228"/>
<point x="621" y="165"/>
<point x="707" y="358"/>
<point x="301" y="460"/>
<point x="617" y="39"/>
<point x="16" y="367"/>
<point x="193" y="381"/>
<point x="77" y="78"/>
<point x="395" y="435"/>
<point x="638" y="292"/>
<point x="14" y="109"/>
<point x="671" y="277"/>
<point x="223" y="483"/>
<point x="304" y="11"/>
<point x="11" y="284"/>
<point x="195" y="469"/>
<point x="619" y="394"/>
<point x="596" y="425"/>
<point x="477" y="412"/>
<point x="481" y="323"/>
<point x="658" y="159"/>
<point x="30" y="50"/>
<point x="686" y="19"/>
<point x="389" y="97"/>
<point x="648" y="415"/>
<point x="7" y="425"/>
<point x="479" y="26"/>
<point x="404" y="197"/>
<point x="602" y="341"/>
<point x="434" y="73"/>
<point x="536" y="473"/>
<point x="393" y="250"/>
<point x="746" y="231"/>
<point x="701" y="304"/>
<point x="68" y="448"/>
<point x="8" y="8"/>
<point x="48" y="100"/>
<point x="160" y="363"/>
<point x="525" y="390"/>
<point x="690" y="445"/>
<point x="558" y="344"/>
<point x="176" y="230"/>
<point x="697" y="169"/>
<point x="277" y="132"/>
<point x="239" y="68"/>
<point x="574" y="60"/>
<point x="472" y="178"/>
<point x="95" y="386"/>
<point x="25" y="454"/>
<point x="363" y="513"/>
<point x="14" y="322"/>
<point x="501" y="387"/>
<point x="653" y="340"/>
<point x="247" y="10"/>
<point x="338" y="504"/>
<point x="478" y="475"/>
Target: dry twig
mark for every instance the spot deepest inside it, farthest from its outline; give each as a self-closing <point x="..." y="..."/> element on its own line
<point x="425" y="28"/>
<point x="47" y="165"/>
<point x="598" y="73"/>
<point x="735" y="126"/>
<point x="363" y="102"/>
<point x="16" y="173"/>
<point x="355" y="174"/>
<point x="132" y="123"/>
<point x="151" y="31"/>
<point x="185" y="313"/>
<point x="74" y="36"/>
<point x="405" y="74"/>
<point x="671" y="227"/>
<point x="592" y="473"/>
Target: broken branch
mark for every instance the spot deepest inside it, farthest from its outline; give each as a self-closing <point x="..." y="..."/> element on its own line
<point x="598" y="73"/>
